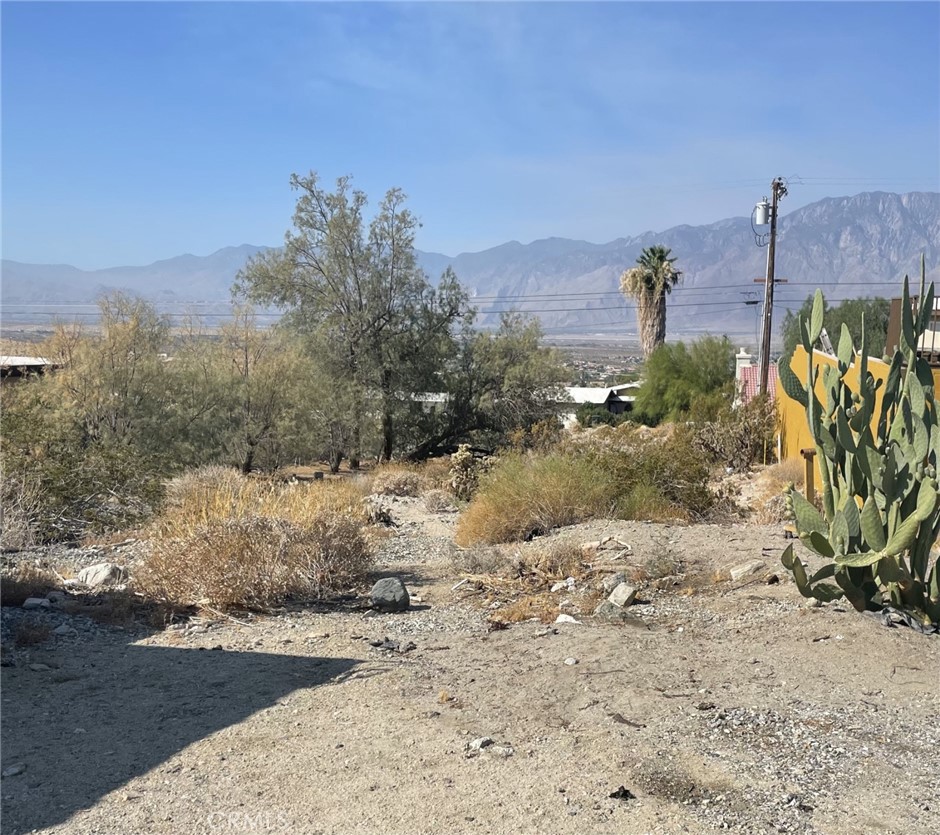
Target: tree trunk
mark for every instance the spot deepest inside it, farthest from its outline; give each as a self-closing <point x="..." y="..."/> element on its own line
<point x="355" y="450"/>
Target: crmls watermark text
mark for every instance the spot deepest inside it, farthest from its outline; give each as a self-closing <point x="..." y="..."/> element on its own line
<point x="248" y="822"/>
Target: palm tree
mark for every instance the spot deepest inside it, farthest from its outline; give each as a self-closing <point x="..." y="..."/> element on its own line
<point x="648" y="283"/>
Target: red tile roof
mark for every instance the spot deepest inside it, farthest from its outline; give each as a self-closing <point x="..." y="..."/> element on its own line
<point x="749" y="381"/>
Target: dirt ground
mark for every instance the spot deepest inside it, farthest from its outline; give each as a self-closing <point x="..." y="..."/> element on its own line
<point x="719" y="706"/>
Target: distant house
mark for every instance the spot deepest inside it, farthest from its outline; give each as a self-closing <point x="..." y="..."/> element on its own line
<point x="747" y="378"/>
<point x="14" y="368"/>
<point x="614" y="399"/>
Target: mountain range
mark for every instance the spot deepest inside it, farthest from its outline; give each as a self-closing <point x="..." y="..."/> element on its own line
<point x="855" y="246"/>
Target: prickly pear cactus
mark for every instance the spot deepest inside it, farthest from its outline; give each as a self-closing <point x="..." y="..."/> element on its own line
<point x="878" y="466"/>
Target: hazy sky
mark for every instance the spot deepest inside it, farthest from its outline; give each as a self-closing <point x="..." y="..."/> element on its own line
<point x="138" y="131"/>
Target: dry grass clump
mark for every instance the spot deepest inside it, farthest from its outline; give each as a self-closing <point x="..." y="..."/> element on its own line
<point x="658" y="473"/>
<point x="213" y="493"/>
<point x="28" y="634"/>
<point x="525" y="495"/>
<point x="620" y="472"/>
<point x="784" y="473"/>
<point x="228" y="541"/>
<point x="439" y="501"/>
<point x="400" y="480"/>
<point x="254" y="562"/>
<point x="26" y="580"/>
<point x="523" y="587"/>
<point x="481" y="559"/>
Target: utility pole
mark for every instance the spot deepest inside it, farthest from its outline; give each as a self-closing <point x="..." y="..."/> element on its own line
<point x="778" y="190"/>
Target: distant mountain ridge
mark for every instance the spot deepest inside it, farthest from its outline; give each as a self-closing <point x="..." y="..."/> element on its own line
<point x="859" y="246"/>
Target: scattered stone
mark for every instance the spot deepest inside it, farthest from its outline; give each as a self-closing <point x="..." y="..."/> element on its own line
<point x="390" y="595"/>
<point x="566" y="619"/>
<point x="39" y="668"/>
<point x="609" y="583"/>
<point x="610" y="612"/>
<point x="13" y="770"/>
<point x="623" y="793"/>
<point x="475" y="746"/>
<point x="571" y="661"/>
<point x="747" y="569"/>
<point x="393" y="646"/>
<point x="36" y="603"/>
<point x="622" y="595"/>
<point x="591" y="547"/>
<point x="611" y="543"/>
<point x="812" y="603"/>
<point x="504" y="751"/>
<point x="63" y="629"/>
<point x="56" y="597"/>
<point x="102" y="574"/>
<point x="564" y="584"/>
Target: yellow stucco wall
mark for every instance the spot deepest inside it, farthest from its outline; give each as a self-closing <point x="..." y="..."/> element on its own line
<point x="794" y="433"/>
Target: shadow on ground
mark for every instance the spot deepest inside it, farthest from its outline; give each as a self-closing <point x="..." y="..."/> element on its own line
<point x="112" y="712"/>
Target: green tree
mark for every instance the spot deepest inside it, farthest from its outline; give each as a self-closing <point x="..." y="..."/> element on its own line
<point x="849" y="312"/>
<point x="497" y="383"/>
<point x="678" y="379"/>
<point x="648" y="283"/>
<point x="92" y="435"/>
<point x="356" y="291"/>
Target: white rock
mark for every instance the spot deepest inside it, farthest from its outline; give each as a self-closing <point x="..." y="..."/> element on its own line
<point x="475" y="746"/>
<point x="102" y="574"/>
<point x="559" y="586"/>
<point x="36" y="603"/>
<point x="566" y="619"/>
<point x="571" y="661"/>
<point x="747" y="569"/>
<point x="13" y="770"/>
<point x="623" y="595"/>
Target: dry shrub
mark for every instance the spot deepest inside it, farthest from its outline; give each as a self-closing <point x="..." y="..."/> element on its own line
<point x="646" y="503"/>
<point x="254" y="562"/>
<point x="439" y="501"/>
<point x="558" y="560"/>
<point x="740" y="437"/>
<point x="437" y="471"/>
<point x="20" y="508"/>
<point x="400" y="480"/>
<point x="480" y="559"/>
<point x="786" y="472"/>
<point x="29" y="634"/>
<point x="769" y="504"/>
<point x="527" y="495"/>
<point x="228" y="541"/>
<point x="24" y="581"/>
<point x="658" y="475"/>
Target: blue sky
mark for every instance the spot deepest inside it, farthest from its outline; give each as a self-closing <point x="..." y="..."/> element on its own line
<point x="138" y="131"/>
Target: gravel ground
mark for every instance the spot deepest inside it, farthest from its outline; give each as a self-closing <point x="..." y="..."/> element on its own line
<point x="720" y="706"/>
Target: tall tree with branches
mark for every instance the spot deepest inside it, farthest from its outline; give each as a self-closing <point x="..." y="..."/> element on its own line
<point x="648" y="283"/>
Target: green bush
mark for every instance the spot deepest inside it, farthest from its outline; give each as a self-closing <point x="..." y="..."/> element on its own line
<point x="624" y="473"/>
<point x="676" y="375"/>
